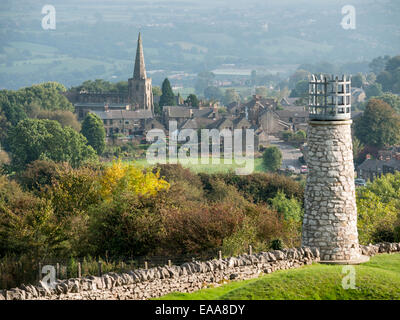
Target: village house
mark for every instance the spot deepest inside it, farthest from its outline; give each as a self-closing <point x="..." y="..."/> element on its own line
<point x="388" y="161"/>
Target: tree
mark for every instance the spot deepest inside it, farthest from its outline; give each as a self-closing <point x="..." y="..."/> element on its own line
<point x="373" y="90"/>
<point x="157" y="91"/>
<point x="93" y="130"/>
<point x="33" y="139"/>
<point x="298" y="76"/>
<point x="213" y="93"/>
<point x="379" y="125"/>
<point x="390" y="77"/>
<point x="357" y="80"/>
<point x="192" y="101"/>
<point x="357" y="148"/>
<point x="65" y="118"/>
<point x="391" y="99"/>
<point x="167" y="97"/>
<point x="272" y="158"/>
<point x="204" y="80"/>
<point x="231" y="95"/>
<point x="385" y="78"/>
<point x="300" y="90"/>
<point x="377" y="65"/>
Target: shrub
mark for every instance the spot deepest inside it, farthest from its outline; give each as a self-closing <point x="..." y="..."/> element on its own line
<point x="277" y="244"/>
<point x="200" y="228"/>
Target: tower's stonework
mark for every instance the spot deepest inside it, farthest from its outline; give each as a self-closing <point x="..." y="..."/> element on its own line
<point x="139" y="87"/>
<point x="330" y="218"/>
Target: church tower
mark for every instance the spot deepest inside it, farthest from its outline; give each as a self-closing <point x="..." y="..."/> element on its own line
<point x="139" y="87"/>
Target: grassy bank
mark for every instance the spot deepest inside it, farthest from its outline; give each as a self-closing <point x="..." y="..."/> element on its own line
<point x="378" y="279"/>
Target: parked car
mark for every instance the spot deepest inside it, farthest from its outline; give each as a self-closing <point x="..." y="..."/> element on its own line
<point x="291" y="169"/>
<point x="304" y="169"/>
<point x="360" y="182"/>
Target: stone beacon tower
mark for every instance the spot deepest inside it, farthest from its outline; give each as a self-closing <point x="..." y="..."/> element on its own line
<point x="330" y="218"/>
<point x="139" y="87"/>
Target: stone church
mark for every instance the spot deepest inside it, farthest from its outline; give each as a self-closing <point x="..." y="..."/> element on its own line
<point x="140" y="93"/>
<point x="138" y="97"/>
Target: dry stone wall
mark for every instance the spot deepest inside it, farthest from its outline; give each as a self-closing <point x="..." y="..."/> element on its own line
<point x="144" y="284"/>
<point x="155" y="282"/>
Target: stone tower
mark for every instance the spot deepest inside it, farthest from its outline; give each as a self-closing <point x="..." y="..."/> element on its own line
<point x="139" y="87"/>
<point x="330" y="218"/>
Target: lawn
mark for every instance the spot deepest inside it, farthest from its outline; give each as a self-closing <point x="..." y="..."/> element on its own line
<point x="378" y="279"/>
<point x="210" y="168"/>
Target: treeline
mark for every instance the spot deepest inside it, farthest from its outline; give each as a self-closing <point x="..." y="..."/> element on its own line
<point x="38" y="123"/>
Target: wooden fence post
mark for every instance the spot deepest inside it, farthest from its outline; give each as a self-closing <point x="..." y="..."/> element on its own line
<point x="169" y="263"/>
<point x="146" y="266"/>
<point x="40" y="271"/>
<point x="57" y="270"/>
<point x="250" y="249"/>
<point x="100" y="269"/>
<point x="79" y="270"/>
<point x="220" y="255"/>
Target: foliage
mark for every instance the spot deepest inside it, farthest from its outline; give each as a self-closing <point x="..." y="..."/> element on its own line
<point x="93" y="130"/>
<point x="213" y="93"/>
<point x="257" y="187"/>
<point x="230" y="96"/>
<point x="128" y="226"/>
<point x="357" y="149"/>
<point x="357" y="80"/>
<point x="38" y="175"/>
<point x="378" y="208"/>
<point x="391" y="99"/>
<point x="167" y="98"/>
<point x="35" y="139"/>
<point x="192" y="100"/>
<point x="378" y="64"/>
<point x="379" y="125"/>
<point x="299" y="75"/>
<point x="156" y="91"/>
<point x="102" y="86"/>
<point x="373" y="90"/>
<point x="389" y="78"/>
<point x="126" y="178"/>
<point x="27" y="223"/>
<point x="65" y="118"/>
<point x="290" y="209"/>
<point x="277" y="244"/>
<point x="272" y="159"/>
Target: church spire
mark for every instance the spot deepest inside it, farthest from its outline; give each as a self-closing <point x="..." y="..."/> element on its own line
<point x="140" y="69"/>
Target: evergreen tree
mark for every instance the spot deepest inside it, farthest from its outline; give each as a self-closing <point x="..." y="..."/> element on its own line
<point x="272" y="159"/>
<point x="93" y="130"/>
<point x="167" y="98"/>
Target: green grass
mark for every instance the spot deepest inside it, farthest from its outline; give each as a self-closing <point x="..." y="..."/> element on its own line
<point x="209" y="168"/>
<point x="379" y="279"/>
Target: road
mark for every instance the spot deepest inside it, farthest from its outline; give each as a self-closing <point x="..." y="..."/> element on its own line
<point x="290" y="155"/>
